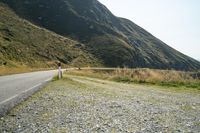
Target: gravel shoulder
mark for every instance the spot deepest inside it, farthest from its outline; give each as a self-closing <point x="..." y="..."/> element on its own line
<point x="81" y="104"/>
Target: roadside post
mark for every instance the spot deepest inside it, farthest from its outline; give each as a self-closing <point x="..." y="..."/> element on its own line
<point x="59" y="71"/>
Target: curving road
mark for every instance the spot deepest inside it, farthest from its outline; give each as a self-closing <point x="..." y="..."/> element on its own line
<point x="14" y="88"/>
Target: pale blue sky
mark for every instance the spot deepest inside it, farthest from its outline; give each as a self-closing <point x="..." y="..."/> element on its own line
<point x="176" y="22"/>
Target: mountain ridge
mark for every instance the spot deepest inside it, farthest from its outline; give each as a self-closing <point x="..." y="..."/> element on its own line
<point x="114" y="40"/>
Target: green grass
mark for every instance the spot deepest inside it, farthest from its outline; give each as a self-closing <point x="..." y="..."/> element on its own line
<point x="197" y="124"/>
<point x="186" y="107"/>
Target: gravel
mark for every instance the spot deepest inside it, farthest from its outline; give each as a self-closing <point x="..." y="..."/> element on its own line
<point x="83" y="105"/>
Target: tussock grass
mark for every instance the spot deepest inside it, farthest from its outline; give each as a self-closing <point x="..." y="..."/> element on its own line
<point x="7" y="71"/>
<point x="17" y="70"/>
<point x="168" y="78"/>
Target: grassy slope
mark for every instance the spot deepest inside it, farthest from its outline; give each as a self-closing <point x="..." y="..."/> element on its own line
<point x="23" y="44"/>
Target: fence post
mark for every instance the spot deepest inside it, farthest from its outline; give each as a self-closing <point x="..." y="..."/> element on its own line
<point x="59" y="71"/>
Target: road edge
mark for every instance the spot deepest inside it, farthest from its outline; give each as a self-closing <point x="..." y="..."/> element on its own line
<point x="8" y="104"/>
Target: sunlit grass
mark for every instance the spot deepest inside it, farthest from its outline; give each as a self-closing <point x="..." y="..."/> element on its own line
<point x="17" y="70"/>
<point x="166" y="78"/>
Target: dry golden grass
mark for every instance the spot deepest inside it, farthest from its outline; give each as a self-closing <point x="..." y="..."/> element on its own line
<point x="16" y="70"/>
<point x="148" y="76"/>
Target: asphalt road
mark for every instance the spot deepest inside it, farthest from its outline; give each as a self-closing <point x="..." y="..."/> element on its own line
<point x="13" y="85"/>
<point x="16" y="88"/>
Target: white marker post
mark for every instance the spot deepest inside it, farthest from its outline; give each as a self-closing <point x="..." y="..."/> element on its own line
<point x="59" y="71"/>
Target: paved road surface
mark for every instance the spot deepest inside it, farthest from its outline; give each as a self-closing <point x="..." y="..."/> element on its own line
<point x="13" y="85"/>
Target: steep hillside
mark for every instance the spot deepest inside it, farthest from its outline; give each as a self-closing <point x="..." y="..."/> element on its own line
<point x="115" y="41"/>
<point x="24" y="44"/>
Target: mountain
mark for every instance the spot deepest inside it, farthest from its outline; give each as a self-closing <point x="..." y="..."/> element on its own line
<point x="112" y="40"/>
<point x="24" y="44"/>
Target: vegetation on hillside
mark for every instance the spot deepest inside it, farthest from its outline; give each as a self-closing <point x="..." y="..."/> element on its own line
<point x="24" y="45"/>
<point x="113" y="40"/>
